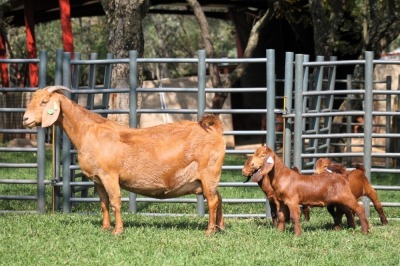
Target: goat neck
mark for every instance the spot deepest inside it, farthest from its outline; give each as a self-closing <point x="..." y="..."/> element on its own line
<point x="76" y="120"/>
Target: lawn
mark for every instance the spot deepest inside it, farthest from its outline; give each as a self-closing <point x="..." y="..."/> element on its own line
<point x="77" y="239"/>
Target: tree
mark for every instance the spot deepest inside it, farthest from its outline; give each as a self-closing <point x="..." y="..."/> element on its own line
<point x="219" y="98"/>
<point x="124" y="20"/>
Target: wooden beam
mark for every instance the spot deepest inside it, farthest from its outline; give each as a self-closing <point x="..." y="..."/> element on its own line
<point x="65" y="15"/>
<point x="31" y="41"/>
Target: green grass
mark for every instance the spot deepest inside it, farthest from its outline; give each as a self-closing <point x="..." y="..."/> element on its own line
<point x="77" y="239"/>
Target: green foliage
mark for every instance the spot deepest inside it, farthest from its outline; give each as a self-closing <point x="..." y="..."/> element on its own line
<point x="178" y="36"/>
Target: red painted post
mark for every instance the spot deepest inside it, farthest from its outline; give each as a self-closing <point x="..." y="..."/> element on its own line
<point x="65" y="15"/>
<point x="5" y="82"/>
<point x="31" y="41"/>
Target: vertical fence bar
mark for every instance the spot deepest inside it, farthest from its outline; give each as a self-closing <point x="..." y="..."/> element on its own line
<point x="287" y="137"/>
<point x="107" y="83"/>
<point x="201" y="106"/>
<point x="298" y="111"/>
<point x="57" y="138"/>
<point x="387" y="118"/>
<point x="271" y="137"/>
<point x="270" y="100"/>
<point x="201" y="84"/>
<point x="133" y="105"/>
<point x="41" y="150"/>
<point x="368" y="107"/>
<point x="66" y="143"/>
<point x="92" y="82"/>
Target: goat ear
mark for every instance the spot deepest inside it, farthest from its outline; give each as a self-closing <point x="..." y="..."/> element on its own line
<point x="50" y="113"/>
<point x="268" y="164"/>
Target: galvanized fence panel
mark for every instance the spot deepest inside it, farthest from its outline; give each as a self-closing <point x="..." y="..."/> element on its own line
<point x="40" y="164"/>
<point x="309" y="91"/>
<point x="308" y="113"/>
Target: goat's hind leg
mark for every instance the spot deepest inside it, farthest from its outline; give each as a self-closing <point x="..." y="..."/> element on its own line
<point x="371" y="193"/>
<point x="112" y="188"/>
<point x="214" y="201"/>
<point x="105" y="205"/>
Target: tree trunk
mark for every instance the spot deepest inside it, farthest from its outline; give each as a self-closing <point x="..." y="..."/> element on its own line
<point x="219" y="98"/>
<point x="125" y="34"/>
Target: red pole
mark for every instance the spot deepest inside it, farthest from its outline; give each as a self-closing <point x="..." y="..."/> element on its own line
<point x="5" y="82"/>
<point x="30" y="41"/>
<point x="65" y="15"/>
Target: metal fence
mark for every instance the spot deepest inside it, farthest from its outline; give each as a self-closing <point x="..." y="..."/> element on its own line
<point x="38" y="166"/>
<point x="309" y="118"/>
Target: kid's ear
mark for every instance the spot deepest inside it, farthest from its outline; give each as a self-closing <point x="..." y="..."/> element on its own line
<point x="268" y="164"/>
<point x="50" y="113"/>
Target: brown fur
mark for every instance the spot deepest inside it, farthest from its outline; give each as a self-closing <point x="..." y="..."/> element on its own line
<point x="359" y="185"/>
<point x="292" y="189"/>
<point x="164" y="161"/>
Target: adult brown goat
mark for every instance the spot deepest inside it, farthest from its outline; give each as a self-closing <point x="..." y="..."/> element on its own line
<point x="359" y="185"/>
<point x="164" y="161"/>
<point x="292" y="189"/>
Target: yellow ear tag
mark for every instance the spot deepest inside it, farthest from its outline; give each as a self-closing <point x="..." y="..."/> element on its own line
<point x="55" y="106"/>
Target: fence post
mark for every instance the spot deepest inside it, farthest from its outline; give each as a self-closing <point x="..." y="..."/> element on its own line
<point x="57" y="138"/>
<point x="41" y="150"/>
<point x="298" y="111"/>
<point x="133" y="119"/>
<point x="66" y="143"/>
<point x="271" y="137"/>
<point x="201" y="106"/>
<point x="368" y="107"/>
<point x="288" y="100"/>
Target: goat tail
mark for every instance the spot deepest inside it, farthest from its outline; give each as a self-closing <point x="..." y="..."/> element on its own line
<point x="211" y="121"/>
<point x="360" y="167"/>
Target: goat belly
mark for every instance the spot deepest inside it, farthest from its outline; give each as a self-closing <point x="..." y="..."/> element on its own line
<point x="165" y="184"/>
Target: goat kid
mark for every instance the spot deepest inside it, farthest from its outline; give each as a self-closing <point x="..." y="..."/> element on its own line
<point x="164" y="161"/>
<point x="292" y="189"/>
<point x="265" y="185"/>
<point x="359" y="185"/>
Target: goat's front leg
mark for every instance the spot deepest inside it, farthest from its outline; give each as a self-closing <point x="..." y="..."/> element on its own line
<point x="281" y="215"/>
<point x="294" y="209"/>
<point x="105" y="205"/>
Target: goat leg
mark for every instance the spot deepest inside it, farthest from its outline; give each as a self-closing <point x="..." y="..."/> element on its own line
<point x="337" y="217"/>
<point x="360" y="211"/>
<point x="371" y="193"/>
<point x="105" y="205"/>
<point x="281" y="215"/>
<point x="220" y="217"/>
<point x="294" y="209"/>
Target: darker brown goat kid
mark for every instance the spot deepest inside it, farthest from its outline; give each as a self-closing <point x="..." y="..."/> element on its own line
<point x="292" y="189"/>
<point x="164" y="161"/>
<point x="265" y="185"/>
<point x="359" y="185"/>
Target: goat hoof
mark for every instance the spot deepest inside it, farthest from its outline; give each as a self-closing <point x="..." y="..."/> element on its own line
<point x="211" y="231"/>
<point x="118" y="231"/>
